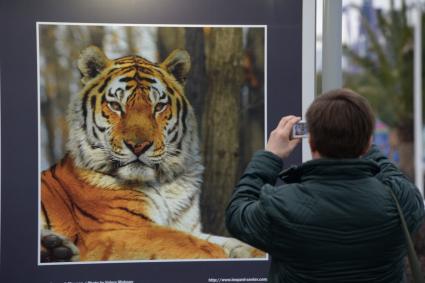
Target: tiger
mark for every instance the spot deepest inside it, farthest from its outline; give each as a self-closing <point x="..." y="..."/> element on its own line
<point x="128" y="187"/>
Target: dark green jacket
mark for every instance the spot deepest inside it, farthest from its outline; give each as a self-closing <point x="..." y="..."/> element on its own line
<point x="333" y="220"/>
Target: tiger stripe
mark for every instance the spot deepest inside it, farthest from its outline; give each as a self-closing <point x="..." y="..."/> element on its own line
<point x="129" y="186"/>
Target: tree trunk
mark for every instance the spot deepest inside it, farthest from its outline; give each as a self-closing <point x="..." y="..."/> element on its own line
<point x="169" y="38"/>
<point x="131" y="45"/>
<point x="97" y="34"/>
<point x="221" y="124"/>
<point x="50" y="89"/>
<point x="197" y="83"/>
<point x="252" y="104"/>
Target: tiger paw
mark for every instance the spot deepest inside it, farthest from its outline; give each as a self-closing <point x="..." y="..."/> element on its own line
<point x="238" y="249"/>
<point x="56" y="248"/>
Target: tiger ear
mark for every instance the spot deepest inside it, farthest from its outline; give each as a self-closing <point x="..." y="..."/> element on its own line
<point x="178" y="64"/>
<point x="91" y="62"/>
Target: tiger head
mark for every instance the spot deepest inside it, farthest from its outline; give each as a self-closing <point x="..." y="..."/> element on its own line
<point x="132" y="120"/>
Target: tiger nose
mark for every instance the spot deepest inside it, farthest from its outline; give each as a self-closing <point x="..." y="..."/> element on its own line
<point x="138" y="148"/>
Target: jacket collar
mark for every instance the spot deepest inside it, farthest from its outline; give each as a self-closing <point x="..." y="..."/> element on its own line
<point x="324" y="168"/>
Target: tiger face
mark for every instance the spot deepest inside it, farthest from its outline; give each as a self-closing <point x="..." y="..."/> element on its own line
<point x="132" y="120"/>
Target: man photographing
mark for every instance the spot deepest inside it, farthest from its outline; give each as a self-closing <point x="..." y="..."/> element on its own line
<point x="334" y="219"/>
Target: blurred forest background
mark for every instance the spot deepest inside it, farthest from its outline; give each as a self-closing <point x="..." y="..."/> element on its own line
<point x="225" y="87"/>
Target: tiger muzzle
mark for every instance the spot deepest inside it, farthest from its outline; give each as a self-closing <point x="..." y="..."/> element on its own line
<point x="138" y="148"/>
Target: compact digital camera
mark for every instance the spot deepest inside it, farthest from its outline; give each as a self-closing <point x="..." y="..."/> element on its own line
<point x="299" y="130"/>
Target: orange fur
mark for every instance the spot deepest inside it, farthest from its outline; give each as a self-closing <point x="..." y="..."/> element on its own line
<point x="111" y="224"/>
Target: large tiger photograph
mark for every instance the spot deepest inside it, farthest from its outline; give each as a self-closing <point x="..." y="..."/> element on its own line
<point x="144" y="131"/>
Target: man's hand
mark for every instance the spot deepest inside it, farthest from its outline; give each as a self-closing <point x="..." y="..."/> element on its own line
<point x="280" y="142"/>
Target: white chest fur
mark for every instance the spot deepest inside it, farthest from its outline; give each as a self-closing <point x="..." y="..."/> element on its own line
<point x="175" y="204"/>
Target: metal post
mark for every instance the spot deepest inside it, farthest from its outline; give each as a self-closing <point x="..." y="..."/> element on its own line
<point x="332" y="50"/>
<point x="308" y="64"/>
<point x="418" y="126"/>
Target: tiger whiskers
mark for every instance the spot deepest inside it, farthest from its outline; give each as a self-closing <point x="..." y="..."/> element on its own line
<point x="176" y="153"/>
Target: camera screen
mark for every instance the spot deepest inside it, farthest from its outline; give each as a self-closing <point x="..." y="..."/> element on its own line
<point x="300" y="129"/>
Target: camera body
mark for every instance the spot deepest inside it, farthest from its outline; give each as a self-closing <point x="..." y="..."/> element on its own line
<point x="299" y="130"/>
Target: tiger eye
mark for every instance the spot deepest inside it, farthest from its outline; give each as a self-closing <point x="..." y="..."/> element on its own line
<point x="160" y="106"/>
<point x="115" y="106"/>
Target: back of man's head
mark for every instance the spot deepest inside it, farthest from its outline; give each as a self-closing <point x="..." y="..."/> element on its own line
<point x="341" y="123"/>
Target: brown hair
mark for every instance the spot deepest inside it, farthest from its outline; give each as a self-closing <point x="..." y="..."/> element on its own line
<point x="340" y="123"/>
